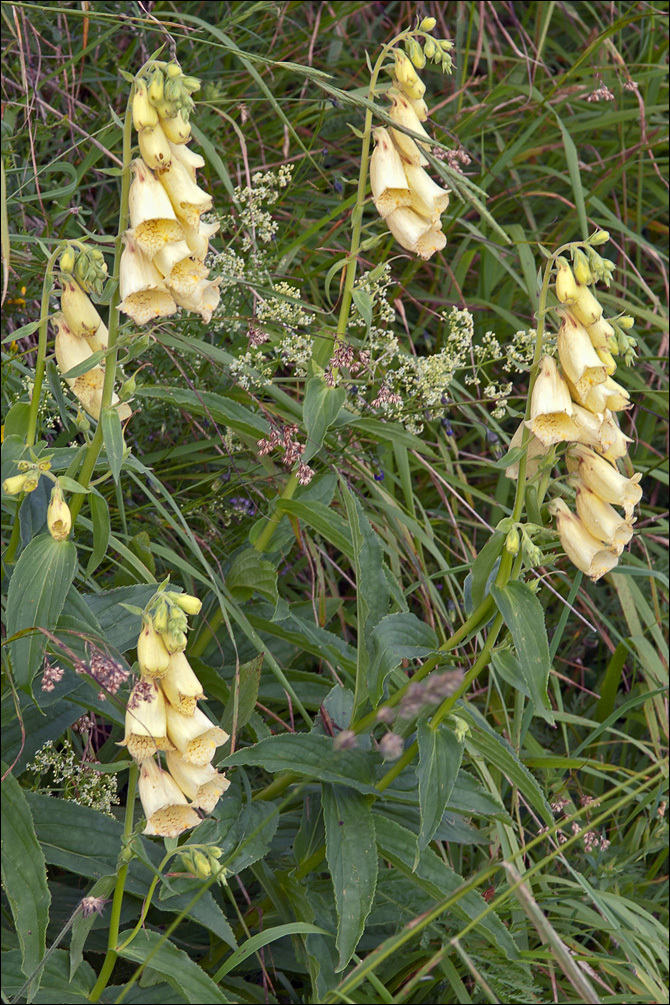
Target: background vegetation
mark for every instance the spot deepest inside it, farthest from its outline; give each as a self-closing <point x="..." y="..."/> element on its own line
<point x="544" y="877"/>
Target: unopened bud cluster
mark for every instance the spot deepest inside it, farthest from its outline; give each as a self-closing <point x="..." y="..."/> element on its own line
<point x="163" y="715"/>
<point x="203" y="862"/>
<point x="577" y="402"/>
<point x="163" y="261"/>
<point x="80" y="331"/>
<point x="405" y="195"/>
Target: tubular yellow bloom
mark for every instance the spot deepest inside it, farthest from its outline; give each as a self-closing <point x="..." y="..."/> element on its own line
<point x="88" y="389"/>
<point x="189" y="201"/>
<point x="566" y="284"/>
<point x="71" y="350"/>
<point x="578" y="358"/>
<point x="146" y="722"/>
<point x="601" y="334"/>
<point x="407" y="77"/>
<point x="185" y="274"/>
<point x="551" y="406"/>
<point x="603" y="478"/>
<point x="197" y="238"/>
<point x="81" y="316"/>
<point x="188" y="158"/>
<point x="170" y="256"/>
<point x="433" y="240"/>
<point x="390" y="189"/>
<point x="618" y="397"/>
<point x="180" y="685"/>
<point x="613" y="441"/>
<point x="407" y="227"/>
<point x="176" y="129"/>
<point x="194" y="735"/>
<point x="204" y="785"/>
<point x="402" y="112"/>
<point x="589" y="426"/>
<point x="583" y="550"/>
<point x="155" y="148"/>
<point x="586" y="307"/>
<point x="534" y="454"/>
<point x="607" y="360"/>
<point x="143" y="291"/>
<point x="152" y="218"/>
<point x="144" y="113"/>
<point x="602" y="520"/>
<point x="152" y="656"/>
<point x="203" y="298"/>
<point x="165" y="807"/>
<point x="428" y="199"/>
<point x="59" y="518"/>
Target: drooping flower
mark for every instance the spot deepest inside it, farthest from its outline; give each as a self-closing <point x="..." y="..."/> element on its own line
<point x="604" y="480"/>
<point x="152" y="656"/>
<point x="59" y="518"/>
<point x="203" y="785"/>
<point x="194" y="735"/>
<point x="602" y="521"/>
<point x="143" y="290"/>
<point x="551" y="406"/>
<point x="585" y="551"/>
<point x="152" y="219"/>
<point x="180" y="685"/>
<point x="390" y="188"/>
<point x="165" y="806"/>
<point x="146" y="722"/>
<point x="579" y="359"/>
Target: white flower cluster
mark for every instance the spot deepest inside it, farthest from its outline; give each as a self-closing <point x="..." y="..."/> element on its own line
<point x="264" y="190"/>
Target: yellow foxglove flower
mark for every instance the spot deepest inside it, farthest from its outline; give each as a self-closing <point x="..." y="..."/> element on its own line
<point x="155" y="148"/>
<point x="59" y="518"/>
<point x="185" y="274"/>
<point x="194" y="735"/>
<point x="180" y="685"/>
<point x="189" y="201"/>
<point x="607" y="360"/>
<point x="81" y="316"/>
<point x="578" y="358"/>
<point x="188" y="158"/>
<point x="433" y="240"/>
<point x="165" y="807"/>
<point x="390" y="189"/>
<point x="401" y="111"/>
<point x="586" y="307"/>
<point x="88" y="389"/>
<point x="170" y="256"/>
<point x="583" y="550"/>
<point x="618" y="397"/>
<point x="551" y="406"/>
<point x="407" y="77"/>
<point x="146" y="722"/>
<point x="428" y="199"/>
<point x="152" y="218"/>
<point x="152" y="656"/>
<point x="601" y="334"/>
<point x="176" y="129"/>
<point x="174" y="640"/>
<point x="613" y="441"/>
<point x="203" y="298"/>
<point x="602" y="520"/>
<point x="408" y="227"/>
<point x="534" y="454"/>
<point x="566" y="284"/>
<point x="143" y="291"/>
<point x="12" y="486"/>
<point x="197" y="238"/>
<point x="603" y="478"/>
<point x="71" y="350"/>
<point x="204" y="785"/>
<point x="144" y="113"/>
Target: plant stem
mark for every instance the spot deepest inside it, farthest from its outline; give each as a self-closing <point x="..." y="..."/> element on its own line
<point x="115" y="917"/>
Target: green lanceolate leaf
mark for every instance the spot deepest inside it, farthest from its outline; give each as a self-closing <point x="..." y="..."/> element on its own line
<point x="174" y="964"/>
<point x="478" y="577"/>
<point x="351" y="853"/>
<point x="524" y="616"/>
<point x="112" y="435"/>
<point x="24" y="877"/>
<point x="320" y="409"/>
<point x="396" y="637"/>
<point x="37" y="591"/>
<point x="101" y="530"/>
<point x="440" y="756"/>
<point x="241" y="705"/>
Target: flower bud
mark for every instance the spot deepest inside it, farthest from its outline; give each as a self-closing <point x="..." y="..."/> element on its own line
<point x="513" y="542"/>
<point x="586" y="307"/>
<point x="155" y="87"/>
<point x="429" y="47"/>
<point x="165" y="807"/>
<point x="415" y="53"/>
<point x="566" y="285"/>
<point x="152" y="656"/>
<point x="176" y="129"/>
<point x="407" y="76"/>
<point x="580" y="267"/>
<point x="626" y="322"/>
<point x="154" y="148"/>
<point x="189" y="604"/>
<point x="12" y="486"/>
<point x="602" y="335"/>
<point x="603" y="478"/>
<point x="174" y="641"/>
<point x="551" y="406"/>
<point x="145" y="115"/>
<point x="202" y="866"/>
<point x="600" y="237"/>
<point x="59" y="518"/>
<point x="390" y="188"/>
<point x="583" y="550"/>
<point x="67" y="260"/>
<point x="82" y="318"/>
<point x="427" y="24"/>
<point x="602" y="520"/>
<point x="578" y="358"/>
<point x="403" y="113"/>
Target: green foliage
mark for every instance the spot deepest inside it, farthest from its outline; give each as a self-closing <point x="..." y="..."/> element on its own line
<point x="448" y="749"/>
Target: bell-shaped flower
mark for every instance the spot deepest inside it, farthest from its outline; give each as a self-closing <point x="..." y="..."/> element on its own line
<point x="176" y="128"/>
<point x="406" y="76"/>
<point x="152" y="219"/>
<point x="603" y="478"/>
<point x="586" y="307"/>
<point x="71" y="350"/>
<point x="578" y="358"/>
<point x="143" y="291"/>
<point x="146" y="722"/>
<point x="170" y="256"/>
<point x="191" y="160"/>
<point x="551" y="406"/>
<point x="535" y="451"/>
<point x="152" y="656"/>
<point x="88" y="389"/>
<point x="185" y="274"/>
<point x="585" y="551"/>
<point x="188" y="200"/>
<point x="164" y="804"/>
<point x="203" y="785"/>
<point x="144" y="113"/>
<point x="155" y="148"/>
<point x="613" y="441"/>
<point x="589" y="426"/>
<point x="618" y="397"/>
<point x="433" y="240"/>
<point x="197" y="238"/>
<point x="403" y="114"/>
<point x="408" y="227"/>
<point x="180" y="685"/>
<point x="602" y="520"/>
<point x="428" y="199"/>
<point x="601" y="334"/>
<point x="81" y="316"/>
<point x="59" y="518"/>
<point x="203" y="298"/>
<point x="194" y="735"/>
<point x="390" y="188"/>
<point x="566" y="284"/>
